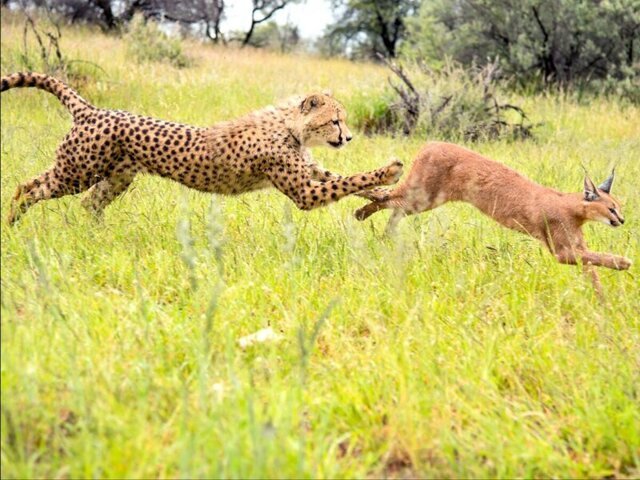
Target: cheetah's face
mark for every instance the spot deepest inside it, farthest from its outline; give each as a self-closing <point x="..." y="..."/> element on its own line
<point x="323" y="122"/>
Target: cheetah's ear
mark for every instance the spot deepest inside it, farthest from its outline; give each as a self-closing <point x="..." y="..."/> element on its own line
<point x="328" y="93"/>
<point x="309" y="103"/>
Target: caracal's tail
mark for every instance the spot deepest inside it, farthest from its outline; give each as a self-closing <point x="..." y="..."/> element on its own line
<point x="71" y="100"/>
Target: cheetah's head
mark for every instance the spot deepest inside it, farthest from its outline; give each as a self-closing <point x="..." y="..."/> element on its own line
<point x="321" y="121"/>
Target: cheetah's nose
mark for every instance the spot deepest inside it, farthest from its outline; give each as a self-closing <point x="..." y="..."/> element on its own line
<point x="348" y="138"/>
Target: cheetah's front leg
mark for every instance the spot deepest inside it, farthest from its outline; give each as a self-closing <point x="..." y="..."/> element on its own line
<point x="375" y="194"/>
<point x="307" y="193"/>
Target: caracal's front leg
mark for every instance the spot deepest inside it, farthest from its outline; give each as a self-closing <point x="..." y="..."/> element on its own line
<point x="608" y="260"/>
<point x="591" y="272"/>
<point x="574" y="248"/>
<point x="590" y="260"/>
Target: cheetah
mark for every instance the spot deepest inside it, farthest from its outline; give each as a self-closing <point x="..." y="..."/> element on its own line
<point x="106" y="149"/>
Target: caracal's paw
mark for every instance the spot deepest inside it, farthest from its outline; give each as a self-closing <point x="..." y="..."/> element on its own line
<point x="376" y="194"/>
<point x="623" y="263"/>
<point x="360" y="214"/>
<point x="392" y="172"/>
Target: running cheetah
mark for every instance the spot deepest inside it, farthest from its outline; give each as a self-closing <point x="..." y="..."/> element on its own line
<point x="106" y="149"/>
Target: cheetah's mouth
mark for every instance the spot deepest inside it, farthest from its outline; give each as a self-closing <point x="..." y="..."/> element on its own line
<point x="334" y="144"/>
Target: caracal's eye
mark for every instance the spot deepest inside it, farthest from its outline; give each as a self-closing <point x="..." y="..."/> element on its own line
<point x="612" y="210"/>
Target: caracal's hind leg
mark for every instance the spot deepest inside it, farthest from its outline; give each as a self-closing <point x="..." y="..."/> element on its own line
<point x="392" y="225"/>
<point x="369" y="209"/>
<point x="96" y="199"/>
<point x="49" y="184"/>
<point x="403" y="202"/>
<point x="373" y="207"/>
<point x="398" y="213"/>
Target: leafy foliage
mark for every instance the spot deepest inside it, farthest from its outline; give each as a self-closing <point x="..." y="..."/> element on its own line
<point x="201" y="16"/>
<point x="367" y="27"/>
<point x="451" y="103"/>
<point x="284" y="38"/>
<point x="565" y="42"/>
<point x="41" y="49"/>
<point x="147" y="43"/>
<point x="262" y="11"/>
<point x="108" y="14"/>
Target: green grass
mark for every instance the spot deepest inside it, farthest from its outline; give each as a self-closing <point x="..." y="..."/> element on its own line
<point x="458" y="349"/>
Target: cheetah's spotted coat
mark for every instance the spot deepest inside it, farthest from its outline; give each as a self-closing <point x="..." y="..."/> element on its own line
<point x="106" y="149"/>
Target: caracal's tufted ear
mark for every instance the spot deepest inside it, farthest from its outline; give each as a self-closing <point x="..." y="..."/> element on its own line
<point x="606" y="185"/>
<point x="309" y="103"/>
<point x="590" y="190"/>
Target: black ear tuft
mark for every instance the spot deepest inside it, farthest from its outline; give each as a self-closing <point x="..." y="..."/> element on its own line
<point x="606" y="185"/>
<point x="590" y="190"/>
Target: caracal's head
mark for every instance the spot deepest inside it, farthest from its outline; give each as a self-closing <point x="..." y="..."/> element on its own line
<point x="601" y="206"/>
<point x="321" y="121"/>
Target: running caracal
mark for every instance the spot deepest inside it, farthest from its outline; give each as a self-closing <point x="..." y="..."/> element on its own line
<point x="443" y="172"/>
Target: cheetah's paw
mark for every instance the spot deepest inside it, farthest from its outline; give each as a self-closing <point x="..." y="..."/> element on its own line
<point x="392" y="172"/>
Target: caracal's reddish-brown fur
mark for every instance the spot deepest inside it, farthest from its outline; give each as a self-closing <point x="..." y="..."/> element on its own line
<point x="443" y="172"/>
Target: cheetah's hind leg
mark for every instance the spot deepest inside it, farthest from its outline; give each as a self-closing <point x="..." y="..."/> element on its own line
<point x="96" y="199"/>
<point x="43" y="187"/>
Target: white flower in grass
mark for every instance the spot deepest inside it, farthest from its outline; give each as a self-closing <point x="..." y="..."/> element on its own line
<point x="261" y="336"/>
<point x="218" y="389"/>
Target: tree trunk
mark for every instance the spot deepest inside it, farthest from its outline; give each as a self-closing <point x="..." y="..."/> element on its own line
<point x="109" y="18"/>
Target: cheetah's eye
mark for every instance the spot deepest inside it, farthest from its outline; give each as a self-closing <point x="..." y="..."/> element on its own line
<point x="335" y="122"/>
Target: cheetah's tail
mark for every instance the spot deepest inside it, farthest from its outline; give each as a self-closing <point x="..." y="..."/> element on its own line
<point x="71" y="100"/>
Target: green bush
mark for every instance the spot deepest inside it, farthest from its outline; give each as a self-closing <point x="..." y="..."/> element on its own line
<point x="627" y="89"/>
<point x="41" y="51"/>
<point x="571" y="43"/>
<point x="453" y="103"/>
<point x="147" y="43"/>
<point x="371" y="112"/>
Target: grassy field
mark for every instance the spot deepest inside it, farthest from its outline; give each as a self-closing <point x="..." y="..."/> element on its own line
<point x="457" y="349"/>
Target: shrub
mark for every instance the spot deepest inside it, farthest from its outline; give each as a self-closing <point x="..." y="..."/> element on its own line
<point x="42" y="51"/>
<point x="569" y="42"/>
<point x="147" y="43"/>
<point x="626" y="89"/>
<point x="371" y="113"/>
<point x="451" y="103"/>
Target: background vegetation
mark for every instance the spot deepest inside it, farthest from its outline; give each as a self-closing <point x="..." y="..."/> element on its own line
<point x="457" y="349"/>
<point x="584" y="44"/>
<point x="577" y="43"/>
